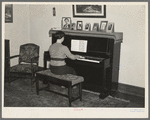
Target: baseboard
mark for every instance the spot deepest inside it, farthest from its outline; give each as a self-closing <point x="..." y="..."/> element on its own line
<point x="132" y="90"/>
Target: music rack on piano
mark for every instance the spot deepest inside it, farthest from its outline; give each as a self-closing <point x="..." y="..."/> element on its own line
<point x="101" y="55"/>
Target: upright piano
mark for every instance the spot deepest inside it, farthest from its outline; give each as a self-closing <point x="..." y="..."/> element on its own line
<point x="100" y="66"/>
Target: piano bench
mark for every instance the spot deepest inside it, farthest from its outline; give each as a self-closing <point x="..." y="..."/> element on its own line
<point x="64" y="80"/>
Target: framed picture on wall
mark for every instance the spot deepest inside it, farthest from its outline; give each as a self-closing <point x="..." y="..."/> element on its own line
<point x="79" y="25"/>
<point x="8" y="13"/>
<point x="66" y="23"/>
<point x="103" y="25"/>
<point x="110" y="27"/>
<point x="90" y="11"/>
<point x="87" y="27"/>
<point x="95" y="27"/>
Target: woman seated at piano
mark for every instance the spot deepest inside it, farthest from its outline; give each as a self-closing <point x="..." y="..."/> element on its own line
<point x="58" y="53"/>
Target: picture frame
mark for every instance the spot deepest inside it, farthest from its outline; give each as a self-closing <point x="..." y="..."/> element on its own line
<point x="8" y="13"/>
<point x="103" y="25"/>
<point x="79" y="25"/>
<point x="95" y="27"/>
<point x="110" y="27"/>
<point x="73" y="26"/>
<point x="89" y="11"/>
<point x="66" y="23"/>
<point x="87" y="27"/>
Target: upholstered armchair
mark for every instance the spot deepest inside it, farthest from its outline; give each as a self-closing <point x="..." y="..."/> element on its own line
<point x="28" y="62"/>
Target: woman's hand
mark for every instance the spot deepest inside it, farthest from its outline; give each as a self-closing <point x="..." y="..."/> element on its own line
<point x="79" y="57"/>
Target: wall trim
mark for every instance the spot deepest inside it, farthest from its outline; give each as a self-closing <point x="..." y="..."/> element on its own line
<point x="132" y="90"/>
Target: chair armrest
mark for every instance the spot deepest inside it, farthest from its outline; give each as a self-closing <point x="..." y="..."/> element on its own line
<point x="11" y="57"/>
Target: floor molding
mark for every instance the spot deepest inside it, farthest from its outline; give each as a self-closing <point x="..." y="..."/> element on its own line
<point x="132" y="90"/>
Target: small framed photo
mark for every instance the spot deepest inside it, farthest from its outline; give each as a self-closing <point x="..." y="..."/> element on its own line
<point x="87" y="27"/>
<point x="66" y="23"/>
<point x="73" y="26"/>
<point x="8" y="13"/>
<point x="95" y="27"/>
<point x="103" y="25"/>
<point x="110" y="27"/>
<point x="79" y="25"/>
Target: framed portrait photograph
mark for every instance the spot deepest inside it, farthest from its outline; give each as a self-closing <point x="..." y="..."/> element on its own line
<point x="8" y="13"/>
<point x="95" y="27"/>
<point x="87" y="27"/>
<point x="66" y="23"/>
<point x="73" y="26"/>
<point x="79" y="25"/>
<point x="110" y="27"/>
<point x="89" y="11"/>
<point x="103" y="25"/>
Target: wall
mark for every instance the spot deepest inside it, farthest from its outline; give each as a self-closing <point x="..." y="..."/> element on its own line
<point x="129" y="19"/>
<point x="18" y="32"/>
<point x="41" y="21"/>
<point x="40" y="24"/>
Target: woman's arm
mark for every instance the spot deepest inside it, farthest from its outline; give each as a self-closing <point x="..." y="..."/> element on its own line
<point x="70" y="55"/>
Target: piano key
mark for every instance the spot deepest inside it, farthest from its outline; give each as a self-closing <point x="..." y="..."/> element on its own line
<point x="92" y="58"/>
<point x="95" y="61"/>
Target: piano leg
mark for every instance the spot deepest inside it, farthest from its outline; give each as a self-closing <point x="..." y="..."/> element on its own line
<point x="104" y="93"/>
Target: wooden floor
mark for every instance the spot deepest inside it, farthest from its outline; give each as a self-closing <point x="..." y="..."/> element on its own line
<point x="135" y="101"/>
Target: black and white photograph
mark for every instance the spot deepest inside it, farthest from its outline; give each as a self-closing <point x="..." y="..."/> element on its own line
<point x="110" y="27"/>
<point x="103" y="25"/>
<point x="73" y="26"/>
<point x="66" y="23"/>
<point x="65" y="60"/>
<point x="79" y="25"/>
<point x="95" y="27"/>
<point x="89" y="11"/>
<point x="87" y="27"/>
<point x="8" y="13"/>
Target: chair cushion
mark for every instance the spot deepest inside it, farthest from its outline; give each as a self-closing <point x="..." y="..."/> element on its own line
<point x="68" y="77"/>
<point x="24" y="68"/>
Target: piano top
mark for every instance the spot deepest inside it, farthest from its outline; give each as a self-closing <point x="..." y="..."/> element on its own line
<point x="117" y="36"/>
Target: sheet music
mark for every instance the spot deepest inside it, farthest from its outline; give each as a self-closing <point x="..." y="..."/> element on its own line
<point x="79" y="45"/>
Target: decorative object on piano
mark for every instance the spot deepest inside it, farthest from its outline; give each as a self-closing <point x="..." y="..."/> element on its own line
<point x="73" y="26"/>
<point x="90" y="11"/>
<point x="54" y="11"/>
<point x="103" y="25"/>
<point x="8" y="13"/>
<point x="95" y="27"/>
<point x="87" y="27"/>
<point x="79" y="25"/>
<point x="66" y="22"/>
<point x="110" y="27"/>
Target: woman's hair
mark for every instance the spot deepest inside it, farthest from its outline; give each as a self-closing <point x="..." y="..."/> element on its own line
<point x="59" y="34"/>
<point x="66" y="19"/>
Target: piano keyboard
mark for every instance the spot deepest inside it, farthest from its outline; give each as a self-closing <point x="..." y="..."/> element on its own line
<point x="88" y="60"/>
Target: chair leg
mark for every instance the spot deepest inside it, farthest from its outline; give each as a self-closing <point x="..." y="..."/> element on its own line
<point x="37" y="85"/>
<point x="70" y="94"/>
<point x="32" y="78"/>
<point x="80" y="91"/>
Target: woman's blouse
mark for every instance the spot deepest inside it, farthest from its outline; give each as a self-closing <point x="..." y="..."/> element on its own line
<point x="59" y="51"/>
